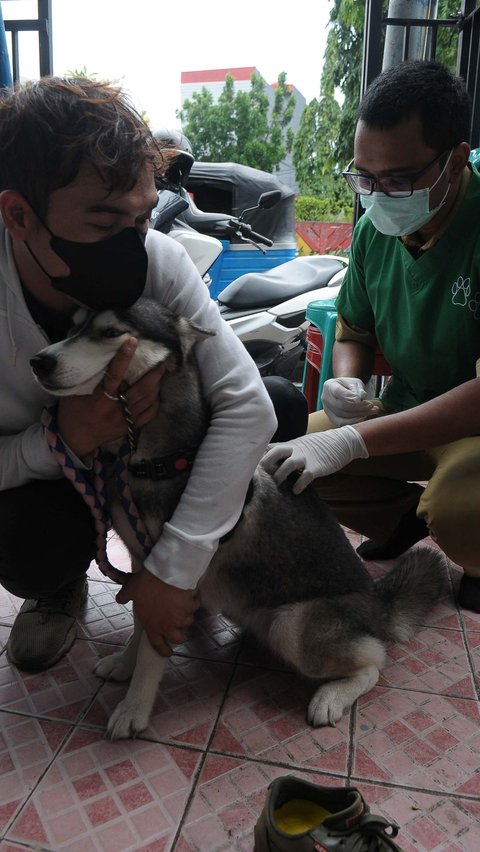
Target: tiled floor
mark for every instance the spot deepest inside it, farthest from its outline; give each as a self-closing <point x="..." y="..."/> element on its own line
<point x="228" y="720"/>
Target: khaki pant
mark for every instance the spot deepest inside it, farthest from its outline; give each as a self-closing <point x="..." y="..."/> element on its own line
<point x="371" y="495"/>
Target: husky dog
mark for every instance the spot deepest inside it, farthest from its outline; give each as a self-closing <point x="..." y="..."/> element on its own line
<point x="287" y="572"/>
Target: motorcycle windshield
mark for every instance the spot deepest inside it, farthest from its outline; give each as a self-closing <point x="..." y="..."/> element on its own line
<point x="168" y="206"/>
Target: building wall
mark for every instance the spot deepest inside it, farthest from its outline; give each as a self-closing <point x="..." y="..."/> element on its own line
<point x="214" y="81"/>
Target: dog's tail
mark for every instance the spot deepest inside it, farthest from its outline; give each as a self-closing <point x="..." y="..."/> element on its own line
<point x="410" y="590"/>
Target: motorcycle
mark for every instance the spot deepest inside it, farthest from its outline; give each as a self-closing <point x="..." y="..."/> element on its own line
<point x="165" y="217"/>
<point x="201" y="234"/>
<point x="266" y="310"/>
<point x="233" y="189"/>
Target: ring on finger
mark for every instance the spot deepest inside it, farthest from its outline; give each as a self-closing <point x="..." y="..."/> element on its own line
<point x="110" y="396"/>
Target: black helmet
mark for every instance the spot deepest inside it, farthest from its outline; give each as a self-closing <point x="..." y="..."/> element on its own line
<point x="176" y="150"/>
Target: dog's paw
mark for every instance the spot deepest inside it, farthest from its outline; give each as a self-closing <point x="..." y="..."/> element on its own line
<point x="127" y="720"/>
<point x="114" y="667"/>
<point x="327" y="706"/>
<point x="333" y="699"/>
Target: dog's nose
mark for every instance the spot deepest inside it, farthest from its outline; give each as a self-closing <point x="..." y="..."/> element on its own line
<point x="43" y="365"/>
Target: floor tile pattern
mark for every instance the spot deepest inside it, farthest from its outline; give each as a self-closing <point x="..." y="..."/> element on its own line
<point x="228" y="719"/>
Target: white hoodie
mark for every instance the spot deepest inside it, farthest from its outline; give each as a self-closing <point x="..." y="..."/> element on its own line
<point x="242" y="417"/>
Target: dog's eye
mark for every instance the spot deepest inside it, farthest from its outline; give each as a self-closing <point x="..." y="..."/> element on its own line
<point x="112" y="332"/>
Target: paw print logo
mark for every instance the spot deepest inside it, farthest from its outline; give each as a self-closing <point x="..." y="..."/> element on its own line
<point x="474" y="305"/>
<point x="461" y="291"/>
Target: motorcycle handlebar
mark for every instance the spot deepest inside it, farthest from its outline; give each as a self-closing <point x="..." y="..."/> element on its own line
<point x="245" y="230"/>
<point x="259" y="238"/>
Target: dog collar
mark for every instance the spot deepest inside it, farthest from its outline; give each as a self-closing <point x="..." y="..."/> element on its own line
<point x="163" y="467"/>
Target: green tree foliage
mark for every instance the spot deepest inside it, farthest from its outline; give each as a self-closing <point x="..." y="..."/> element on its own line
<point x="324" y="142"/>
<point x="343" y="68"/>
<point x="310" y="208"/>
<point x="241" y="127"/>
<point x="81" y="72"/>
<point x="343" y="60"/>
<point x="448" y="37"/>
<point x="326" y="128"/>
<point x="314" y="146"/>
<point x="316" y="167"/>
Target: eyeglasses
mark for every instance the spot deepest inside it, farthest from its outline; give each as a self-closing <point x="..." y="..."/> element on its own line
<point x="397" y="186"/>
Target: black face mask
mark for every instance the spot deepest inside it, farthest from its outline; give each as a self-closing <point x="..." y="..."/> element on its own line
<point x="106" y="274"/>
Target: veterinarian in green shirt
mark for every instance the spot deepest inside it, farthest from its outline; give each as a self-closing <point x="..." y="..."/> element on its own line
<point x="413" y="286"/>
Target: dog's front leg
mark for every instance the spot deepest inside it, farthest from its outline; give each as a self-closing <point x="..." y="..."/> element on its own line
<point x="121" y="665"/>
<point x="131" y="716"/>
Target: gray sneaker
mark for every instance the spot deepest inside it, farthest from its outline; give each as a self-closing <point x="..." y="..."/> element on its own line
<point x="45" y="629"/>
<point x="299" y="816"/>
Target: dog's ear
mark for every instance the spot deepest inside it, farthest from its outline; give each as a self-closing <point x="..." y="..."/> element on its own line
<point x="80" y="316"/>
<point x="79" y="319"/>
<point x="191" y="333"/>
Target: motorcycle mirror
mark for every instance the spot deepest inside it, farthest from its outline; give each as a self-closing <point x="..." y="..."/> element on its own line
<point x="269" y="199"/>
<point x="266" y="200"/>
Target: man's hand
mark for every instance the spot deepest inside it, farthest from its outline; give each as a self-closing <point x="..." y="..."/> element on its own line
<point x="143" y="397"/>
<point x="344" y="401"/>
<point x="163" y="610"/>
<point x="87" y="422"/>
<point x="318" y="454"/>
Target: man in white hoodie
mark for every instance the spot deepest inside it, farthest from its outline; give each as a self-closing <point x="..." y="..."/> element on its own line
<point x="76" y="191"/>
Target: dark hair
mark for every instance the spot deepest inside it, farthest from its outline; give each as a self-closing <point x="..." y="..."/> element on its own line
<point x="426" y="89"/>
<point x="51" y="127"/>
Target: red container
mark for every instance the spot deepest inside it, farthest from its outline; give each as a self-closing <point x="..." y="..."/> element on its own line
<point x="314" y="353"/>
<point x="312" y="370"/>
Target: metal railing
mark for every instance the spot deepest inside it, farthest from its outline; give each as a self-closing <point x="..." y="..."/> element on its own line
<point x="42" y="25"/>
<point x="466" y="25"/>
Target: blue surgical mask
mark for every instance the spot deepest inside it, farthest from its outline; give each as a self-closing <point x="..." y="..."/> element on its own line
<point x="397" y="217"/>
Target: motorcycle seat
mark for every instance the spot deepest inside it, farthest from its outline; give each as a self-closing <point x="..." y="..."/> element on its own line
<point x="265" y="289"/>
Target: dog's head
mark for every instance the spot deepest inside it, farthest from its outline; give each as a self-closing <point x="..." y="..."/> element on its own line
<point x="76" y="365"/>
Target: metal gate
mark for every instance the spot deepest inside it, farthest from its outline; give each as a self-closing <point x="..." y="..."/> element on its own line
<point x="466" y="24"/>
<point x="43" y="26"/>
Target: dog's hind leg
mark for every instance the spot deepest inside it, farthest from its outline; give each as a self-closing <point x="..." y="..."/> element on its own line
<point x="333" y="699"/>
<point x="131" y="716"/>
<point x="311" y="637"/>
<point x="120" y="665"/>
